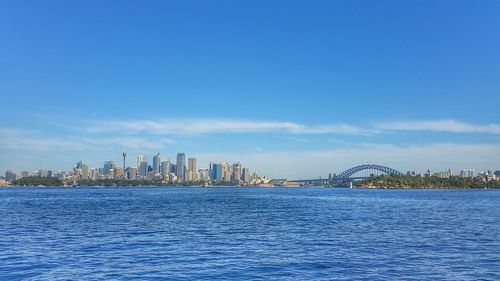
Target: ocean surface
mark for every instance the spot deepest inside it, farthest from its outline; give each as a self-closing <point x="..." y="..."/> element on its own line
<point x="249" y="234"/>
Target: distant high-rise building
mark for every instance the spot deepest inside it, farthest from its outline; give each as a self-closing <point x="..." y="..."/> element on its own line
<point x="143" y="169"/>
<point x="156" y="163"/>
<point x="226" y="172"/>
<point x="245" y="175"/>
<point x="181" y="166"/>
<point x="236" y="175"/>
<point x="191" y="169"/>
<point x="108" y="166"/>
<point x="130" y="173"/>
<point x="467" y="173"/>
<point x="10" y="176"/>
<point x="203" y="174"/>
<point x="165" y="168"/>
<point x="85" y="171"/>
<point x="94" y="174"/>
<point x="25" y="174"/>
<point x="140" y="159"/>
<point x="117" y="173"/>
<point x="217" y="172"/>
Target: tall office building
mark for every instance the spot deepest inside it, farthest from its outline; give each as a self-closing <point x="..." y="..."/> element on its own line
<point x="156" y="163"/>
<point x="181" y="166"/>
<point x="211" y="170"/>
<point x="191" y="169"/>
<point x="467" y="173"/>
<point x="226" y="172"/>
<point x="140" y="159"/>
<point x="217" y="172"/>
<point x="94" y="173"/>
<point x="85" y="171"/>
<point x="165" y="168"/>
<point x="245" y="175"/>
<point x="143" y="169"/>
<point x="236" y="172"/>
<point x="108" y="166"/>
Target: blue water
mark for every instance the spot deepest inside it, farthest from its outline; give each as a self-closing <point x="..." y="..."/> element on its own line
<point x="249" y="234"/>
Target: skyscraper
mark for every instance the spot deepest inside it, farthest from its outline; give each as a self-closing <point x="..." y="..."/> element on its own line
<point x="85" y="171"/>
<point x="165" y="168"/>
<point x="181" y="166"/>
<point x="108" y="166"/>
<point x="140" y="159"/>
<point x="143" y="169"/>
<point x="191" y="169"/>
<point x="217" y="172"/>
<point x="156" y="163"/>
<point x="245" y="175"/>
<point x="236" y="172"/>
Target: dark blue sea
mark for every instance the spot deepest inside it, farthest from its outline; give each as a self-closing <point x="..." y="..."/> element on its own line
<point x="249" y="234"/>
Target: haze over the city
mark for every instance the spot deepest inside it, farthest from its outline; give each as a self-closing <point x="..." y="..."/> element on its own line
<point x="290" y="89"/>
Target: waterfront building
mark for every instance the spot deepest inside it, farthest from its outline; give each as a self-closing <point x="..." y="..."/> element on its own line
<point x="85" y="171"/>
<point x="140" y="159"/>
<point x="143" y="169"/>
<point x="156" y="163"/>
<point x="181" y="166"/>
<point x="108" y="166"/>
<point x="43" y="173"/>
<point x="236" y="174"/>
<point x="77" y="173"/>
<point x="60" y="174"/>
<point x="203" y="175"/>
<point x="210" y="170"/>
<point x="245" y="175"/>
<point x="94" y="174"/>
<point x="467" y="173"/>
<point x="217" y="172"/>
<point x="191" y="174"/>
<point x="226" y="172"/>
<point x="165" y="168"/>
<point x="131" y="173"/>
<point x="10" y="176"/>
<point x="117" y="173"/>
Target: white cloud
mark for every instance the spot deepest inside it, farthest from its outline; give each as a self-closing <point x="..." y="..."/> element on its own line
<point x="214" y="126"/>
<point x="449" y="125"/>
<point x="31" y="140"/>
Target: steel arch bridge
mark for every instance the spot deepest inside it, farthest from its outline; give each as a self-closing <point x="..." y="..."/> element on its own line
<point x="347" y="174"/>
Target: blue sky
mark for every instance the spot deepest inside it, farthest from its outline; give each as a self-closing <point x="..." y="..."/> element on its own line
<point x="289" y="88"/>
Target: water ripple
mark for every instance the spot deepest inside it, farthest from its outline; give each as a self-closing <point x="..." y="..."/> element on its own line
<point x="248" y="234"/>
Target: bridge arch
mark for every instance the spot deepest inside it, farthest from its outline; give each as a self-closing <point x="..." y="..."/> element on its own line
<point x="345" y="175"/>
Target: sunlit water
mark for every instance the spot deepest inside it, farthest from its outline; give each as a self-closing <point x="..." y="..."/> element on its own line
<point x="249" y="234"/>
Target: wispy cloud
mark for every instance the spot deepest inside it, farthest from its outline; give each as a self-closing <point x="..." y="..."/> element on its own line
<point x="449" y="125"/>
<point x="30" y="140"/>
<point x="214" y="126"/>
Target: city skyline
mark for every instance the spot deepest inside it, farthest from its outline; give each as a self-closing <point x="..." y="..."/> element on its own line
<point x="293" y="90"/>
<point x="182" y="171"/>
